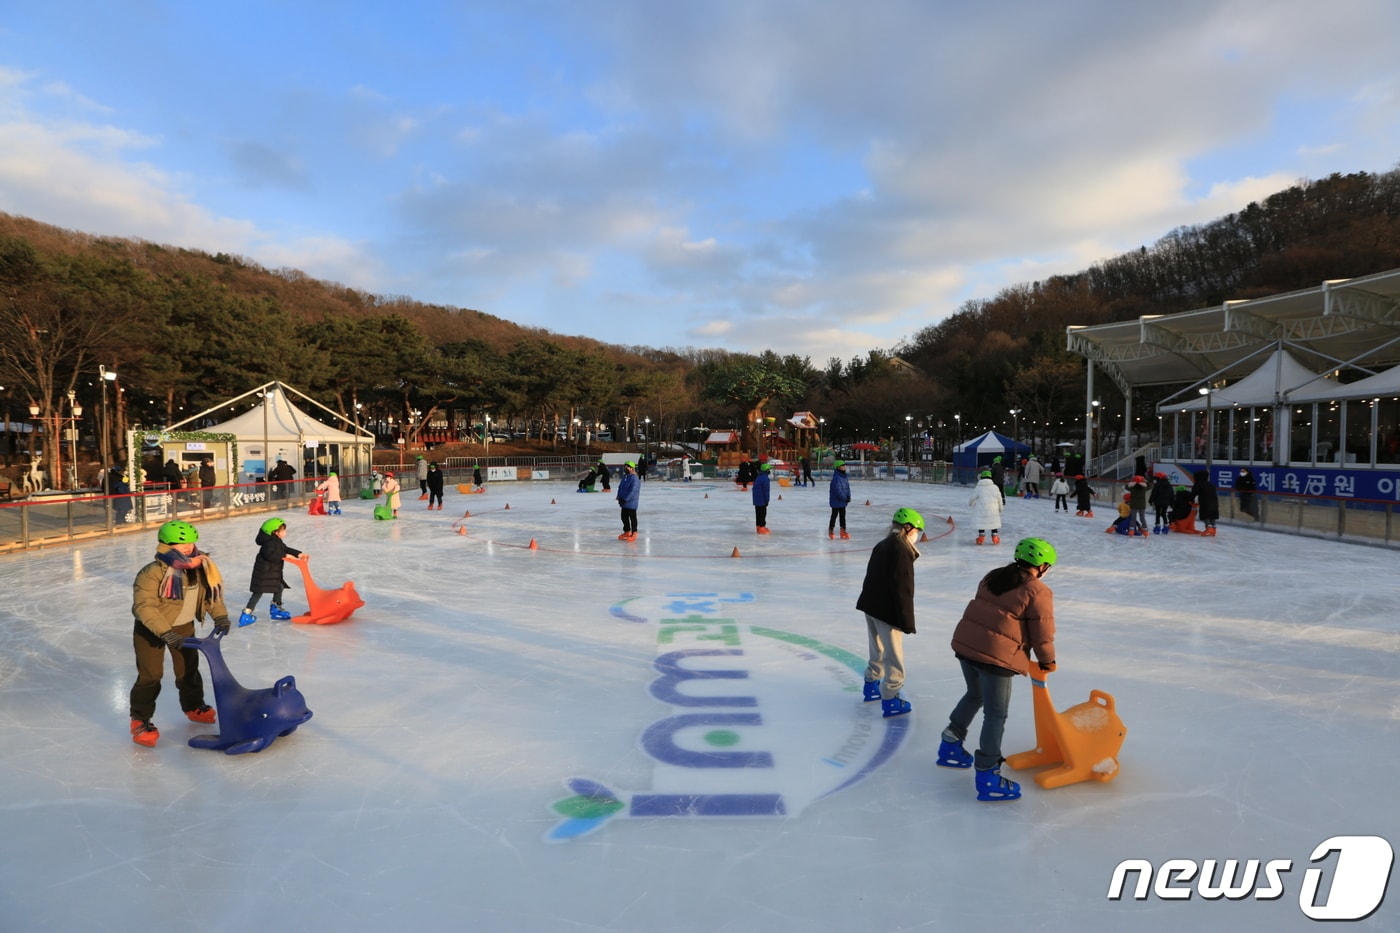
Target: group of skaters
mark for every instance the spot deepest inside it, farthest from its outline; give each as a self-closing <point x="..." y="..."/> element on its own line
<point x="1171" y="504"/>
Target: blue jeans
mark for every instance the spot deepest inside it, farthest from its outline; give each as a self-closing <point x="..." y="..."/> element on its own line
<point x="990" y="693"/>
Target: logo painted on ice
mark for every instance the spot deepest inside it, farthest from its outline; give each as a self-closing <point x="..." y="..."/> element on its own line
<point x="763" y="722"/>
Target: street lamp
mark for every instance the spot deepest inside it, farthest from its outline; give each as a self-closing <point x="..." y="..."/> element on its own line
<point x="1206" y="391"/>
<point x="105" y="376"/>
<point x="646" y="436"/>
<point x="908" y="465"/>
<point x="1015" y="425"/>
<point x="72" y="432"/>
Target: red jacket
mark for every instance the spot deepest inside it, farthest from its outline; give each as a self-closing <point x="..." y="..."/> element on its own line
<point x="1003" y="630"/>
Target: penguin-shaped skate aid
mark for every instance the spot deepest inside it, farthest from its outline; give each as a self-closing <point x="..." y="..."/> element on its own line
<point x="249" y="720"/>
<point x="326" y="606"/>
<point x="1084" y="740"/>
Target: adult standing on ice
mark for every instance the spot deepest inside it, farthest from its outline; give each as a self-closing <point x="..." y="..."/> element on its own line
<point x="1011" y="617"/>
<point x="629" y="493"/>
<point x="435" y="485"/>
<point x="420" y="467"/>
<point x="178" y="588"/>
<point x="887" y="599"/>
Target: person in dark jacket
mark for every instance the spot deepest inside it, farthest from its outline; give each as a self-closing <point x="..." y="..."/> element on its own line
<point x="745" y="474"/>
<point x="1011" y="617"/>
<point x="1084" y="496"/>
<point x="435" y="482"/>
<point x="760" y="499"/>
<point x="887" y="599"/>
<point x="1138" y="492"/>
<point x="1181" y="505"/>
<point x="1207" y="502"/>
<point x="605" y="475"/>
<point x="629" y="494"/>
<point x="207" y="480"/>
<point x="999" y="476"/>
<point x="282" y="475"/>
<point x="267" y="571"/>
<point x="1245" y="486"/>
<point x="838" y="498"/>
<point x="1161" y="502"/>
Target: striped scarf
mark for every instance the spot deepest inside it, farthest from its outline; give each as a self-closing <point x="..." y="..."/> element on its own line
<point x="173" y="585"/>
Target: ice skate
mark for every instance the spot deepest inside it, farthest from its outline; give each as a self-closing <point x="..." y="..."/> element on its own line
<point x="844" y="536"/>
<point x="996" y="539"/>
<point x="872" y="690"/>
<point x="992" y="786"/>
<point x="897" y="706"/>
<point x="278" y="613"/>
<point x="831" y="533"/>
<point x="981" y="539"/>
<point x="247" y="617"/>
<point x="143" y="733"/>
<point x="953" y="755"/>
<point x="202" y="714"/>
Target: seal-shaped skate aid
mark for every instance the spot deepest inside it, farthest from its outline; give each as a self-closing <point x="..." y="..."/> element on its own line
<point x="1083" y="740"/>
<point x="249" y="720"/>
<point x="327" y="606"/>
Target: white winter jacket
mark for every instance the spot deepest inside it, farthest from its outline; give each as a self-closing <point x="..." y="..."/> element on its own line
<point x="986" y="505"/>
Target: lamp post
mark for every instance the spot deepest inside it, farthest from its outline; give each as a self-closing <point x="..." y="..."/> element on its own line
<point x="576" y="430"/>
<point x="72" y="431"/>
<point x="1015" y="425"/>
<point x="1210" y="427"/>
<point x="908" y="453"/>
<point x="105" y="376"/>
<point x="646" y="437"/>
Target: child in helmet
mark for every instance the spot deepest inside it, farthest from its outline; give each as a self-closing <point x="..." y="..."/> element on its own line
<point x="760" y="497"/>
<point x="1084" y="494"/>
<point x="267" y="571"/>
<point x="171" y="593"/>
<point x="838" y="498"/>
<point x="1137" y="503"/>
<point x="331" y="487"/>
<point x="1123" y="524"/>
<point x="1011" y="617"/>
<point x="987" y="502"/>
<point x="629" y="494"/>
<point x="1161" y="501"/>
<point x="391" y="493"/>
<point x="1060" y="490"/>
<point x="887" y="599"/>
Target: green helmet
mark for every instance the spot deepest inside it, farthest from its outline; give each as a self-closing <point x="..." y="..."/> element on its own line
<point x="985" y="474"/>
<point x="273" y="525"/>
<point x="631" y="464"/>
<point x="1035" y="551"/>
<point x="765" y="466"/>
<point x="177" y="532"/>
<point x="838" y="463"/>
<point x="908" y="517"/>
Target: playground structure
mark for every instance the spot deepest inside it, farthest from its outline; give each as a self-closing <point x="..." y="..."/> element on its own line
<point x="1084" y="740"/>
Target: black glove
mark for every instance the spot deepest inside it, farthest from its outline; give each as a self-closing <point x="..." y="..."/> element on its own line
<point x="172" y="639"/>
<point x="221" y="626"/>
<point x="1047" y="665"/>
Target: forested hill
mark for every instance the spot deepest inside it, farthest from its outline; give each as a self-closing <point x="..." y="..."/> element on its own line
<point x="1010" y="347"/>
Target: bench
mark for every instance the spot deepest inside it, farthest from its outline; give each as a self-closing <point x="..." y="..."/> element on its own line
<point x="7" y="490"/>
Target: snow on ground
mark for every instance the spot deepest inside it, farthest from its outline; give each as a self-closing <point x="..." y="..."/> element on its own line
<point x="592" y="735"/>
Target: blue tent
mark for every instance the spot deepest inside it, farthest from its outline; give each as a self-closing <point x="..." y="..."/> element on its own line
<point x="977" y="454"/>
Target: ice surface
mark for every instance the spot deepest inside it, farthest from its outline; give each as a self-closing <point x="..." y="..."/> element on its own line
<point x="507" y="738"/>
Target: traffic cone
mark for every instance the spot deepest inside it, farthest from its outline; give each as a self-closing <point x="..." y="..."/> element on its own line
<point x="533" y="545"/>
<point x="507" y="505"/>
<point x="552" y="502"/>
<point x="923" y="537"/>
<point x="867" y="501"/>
<point x="736" y="553"/>
<point x="466" y="514"/>
<point x="780" y="497"/>
<point x="707" y="495"/>
<point x="461" y="529"/>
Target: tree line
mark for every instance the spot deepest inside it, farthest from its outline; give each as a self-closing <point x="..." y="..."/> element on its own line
<point x="186" y="330"/>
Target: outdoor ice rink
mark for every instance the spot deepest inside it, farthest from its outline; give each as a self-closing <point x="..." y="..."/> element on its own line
<point x="515" y="738"/>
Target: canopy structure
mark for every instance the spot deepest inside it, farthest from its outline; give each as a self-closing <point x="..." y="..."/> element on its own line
<point x="1271" y="383"/>
<point x="992" y="444"/>
<point x="1342" y="321"/>
<point x="276" y="429"/>
<point x="1382" y="385"/>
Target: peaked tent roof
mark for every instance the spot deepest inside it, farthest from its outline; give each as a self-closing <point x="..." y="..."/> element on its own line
<point x="285" y="422"/>
<point x="1273" y="380"/>
<point x="1382" y="385"/>
<point x="991" y="443"/>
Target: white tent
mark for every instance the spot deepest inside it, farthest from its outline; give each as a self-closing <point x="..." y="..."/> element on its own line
<point x="1385" y="384"/>
<point x="1277" y="376"/>
<point x="275" y="429"/>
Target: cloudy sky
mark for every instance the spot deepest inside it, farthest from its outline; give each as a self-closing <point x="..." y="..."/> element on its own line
<point x="818" y="177"/>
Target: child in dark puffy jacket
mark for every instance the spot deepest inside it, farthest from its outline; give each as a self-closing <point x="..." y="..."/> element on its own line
<point x="1161" y="501"/>
<point x="1084" y="494"/>
<point x="1137" y="502"/>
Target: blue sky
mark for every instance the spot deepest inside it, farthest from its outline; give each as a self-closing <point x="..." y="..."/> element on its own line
<point x="813" y="177"/>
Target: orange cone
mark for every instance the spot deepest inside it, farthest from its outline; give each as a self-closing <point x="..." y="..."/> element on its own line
<point x="552" y="502"/>
<point x="466" y="514"/>
<point x="923" y="537"/>
<point x="736" y="553"/>
<point x="707" y="495"/>
<point x="461" y="529"/>
<point x="867" y="501"/>
<point x="507" y="505"/>
<point x="533" y="545"/>
<point x="780" y="497"/>
<point x="950" y="519"/>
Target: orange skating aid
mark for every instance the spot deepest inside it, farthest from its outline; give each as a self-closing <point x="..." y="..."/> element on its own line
<point x="317" y="505"/>
<point x="1083" y="740"/>
<point x="327" y="606"/>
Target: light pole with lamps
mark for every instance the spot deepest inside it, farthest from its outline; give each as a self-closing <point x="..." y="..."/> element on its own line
<point x="908" y="453"/>
<point x="1209" y="427"/>
<point x="1015" y="425"/>
<point x="72" y="431"/>
<point x="105" y="376"/>
<point x="646" y="437"/>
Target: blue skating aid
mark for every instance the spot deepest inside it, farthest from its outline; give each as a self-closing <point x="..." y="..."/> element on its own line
<point x="249" y="720"/>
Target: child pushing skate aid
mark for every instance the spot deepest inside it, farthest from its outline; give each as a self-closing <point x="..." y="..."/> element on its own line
<point x="1084" y="740"/>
